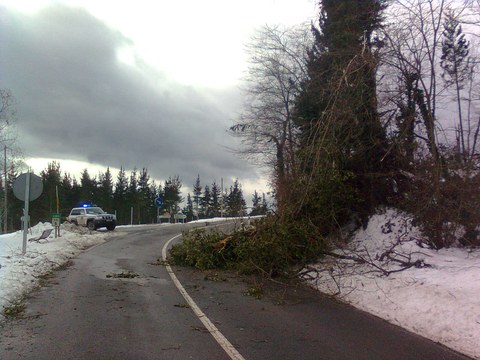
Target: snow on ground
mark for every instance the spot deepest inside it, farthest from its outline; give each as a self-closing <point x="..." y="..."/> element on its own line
<point x="19" y="272"/>
<point x="439" y="299"/>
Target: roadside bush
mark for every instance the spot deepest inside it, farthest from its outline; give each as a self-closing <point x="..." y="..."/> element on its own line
<point x="447" y="208"/>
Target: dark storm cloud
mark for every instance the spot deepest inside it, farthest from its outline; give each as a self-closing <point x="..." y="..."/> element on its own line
<point x="75" y="100"/>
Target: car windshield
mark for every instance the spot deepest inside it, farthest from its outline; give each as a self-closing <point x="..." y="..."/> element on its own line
<point x="94" y="210"/>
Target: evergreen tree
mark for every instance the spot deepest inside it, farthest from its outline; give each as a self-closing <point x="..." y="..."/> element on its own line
<point x="256" y="204"/>
<point x="343" y="143"/>
<point x="216" y="199"/>
<point x="197" y="194"/>
<point x="188" y="210"/>
<point x="264" y="205"/>
<point x="145" y="203"/>
<point x="132" y="195"/>
<point x="119" y="198"/>
<point x="235" y="201"/>
<point x="155" y="192"/>
<point x="259" y="204"/>
<point x="47" y="202"/>
<point x="455" y="50"/>
<point x="105" y="191"/>
<point x="88" y="188"/>
<point x="77" y="192"/>
<point x="206" y="203"/>
<point x="68" y="197"/>
<point x="172" y="194"/>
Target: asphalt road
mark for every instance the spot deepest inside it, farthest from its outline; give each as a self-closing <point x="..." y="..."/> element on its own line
<point x="90" y="310"/>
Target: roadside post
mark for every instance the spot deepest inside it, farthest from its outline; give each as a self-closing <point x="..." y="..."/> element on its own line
<point x="56" y="219"/>
<point x="27" y="187"/>
<point x="158" y="204"/>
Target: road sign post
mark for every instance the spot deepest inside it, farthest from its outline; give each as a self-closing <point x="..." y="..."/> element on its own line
<point x="27" y="187"/>
<point x="56" y="223"/>
<point x="159" y="202"/>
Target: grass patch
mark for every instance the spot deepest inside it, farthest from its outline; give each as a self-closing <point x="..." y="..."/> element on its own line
<point x="15" y="310"/>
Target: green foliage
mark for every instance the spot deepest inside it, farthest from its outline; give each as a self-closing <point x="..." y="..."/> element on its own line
<point x="455" y="50"/>
<point x="172" y="194"/>
<point x="344" y="157"/>
<point x="273" y="248"/>
<point x="235" y="202"/>
<point x="15" y="310"/>
<point x="198" y="250"/>
<point x="332" y="200"/>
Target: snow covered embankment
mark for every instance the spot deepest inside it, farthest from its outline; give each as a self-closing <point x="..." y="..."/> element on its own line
<point x="439" y="299"/>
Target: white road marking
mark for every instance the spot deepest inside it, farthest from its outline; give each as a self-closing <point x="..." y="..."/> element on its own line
<point x="212" y="329"/>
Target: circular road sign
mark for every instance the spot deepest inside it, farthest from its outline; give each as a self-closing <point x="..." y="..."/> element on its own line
<point x="159" y="202"/>
<point x="20" y="183"/>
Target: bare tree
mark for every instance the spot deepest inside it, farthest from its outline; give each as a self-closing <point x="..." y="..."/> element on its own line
<point x="277" y="68"/>
<point x="473" y="95"/>
<point x="415" y="57"/>
<point x="412" y="42"/>
<point x="6" y="108"/>
<point x="7" y="145"/>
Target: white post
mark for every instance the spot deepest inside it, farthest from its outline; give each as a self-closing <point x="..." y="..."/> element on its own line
<point x="5" y="219"/>
<point x="25" y="215"/>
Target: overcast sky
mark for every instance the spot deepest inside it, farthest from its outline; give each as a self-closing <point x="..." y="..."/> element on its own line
<point x="134" y="83"/>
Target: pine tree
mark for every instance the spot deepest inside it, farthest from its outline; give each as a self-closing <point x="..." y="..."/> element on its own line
<point x="68" y="197"/>
<point x="88" y="188"/>
<point x="256" y="204"/>
<point x="264" y="205"/>
<point x="132" y="195"/>
<point x="119" y="198"/>
<point x="46" y="203"/>
<point x="235" y="201"/>
<point x="188" y="210"/>
<point x="172" y="194"/>
<point x="105" y="191"/>
<point x="216" y="199"/>
<point x="197" y="194"/>
<point x="455" y="50"/>
<point x="206" y="203"/>
<point x="145" y="202"/>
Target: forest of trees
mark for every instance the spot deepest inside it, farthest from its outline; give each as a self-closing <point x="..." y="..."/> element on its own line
<point x="377" y="104"/>
<point x="121" y="193"/>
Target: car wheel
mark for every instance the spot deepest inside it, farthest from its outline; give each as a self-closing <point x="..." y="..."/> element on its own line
<point x="111" y="227"/>
<point x="91" y="226"/>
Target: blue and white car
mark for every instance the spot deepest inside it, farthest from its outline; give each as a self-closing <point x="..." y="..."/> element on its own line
<point x="92" y="217"/>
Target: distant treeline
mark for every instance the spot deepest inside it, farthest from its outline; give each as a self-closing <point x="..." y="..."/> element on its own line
<point x="135" y="191"/>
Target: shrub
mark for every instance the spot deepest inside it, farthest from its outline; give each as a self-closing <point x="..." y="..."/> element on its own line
<point x="447" y="207"/>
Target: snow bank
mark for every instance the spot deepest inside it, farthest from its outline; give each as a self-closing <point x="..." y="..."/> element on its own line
<point x="438" y="300"/>
<point x="19" y="272"/>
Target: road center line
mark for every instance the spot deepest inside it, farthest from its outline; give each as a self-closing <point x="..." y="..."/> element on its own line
<point x="212" y="329"/>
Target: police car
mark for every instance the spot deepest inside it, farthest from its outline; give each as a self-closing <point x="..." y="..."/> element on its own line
<point x="92" y="217"/>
